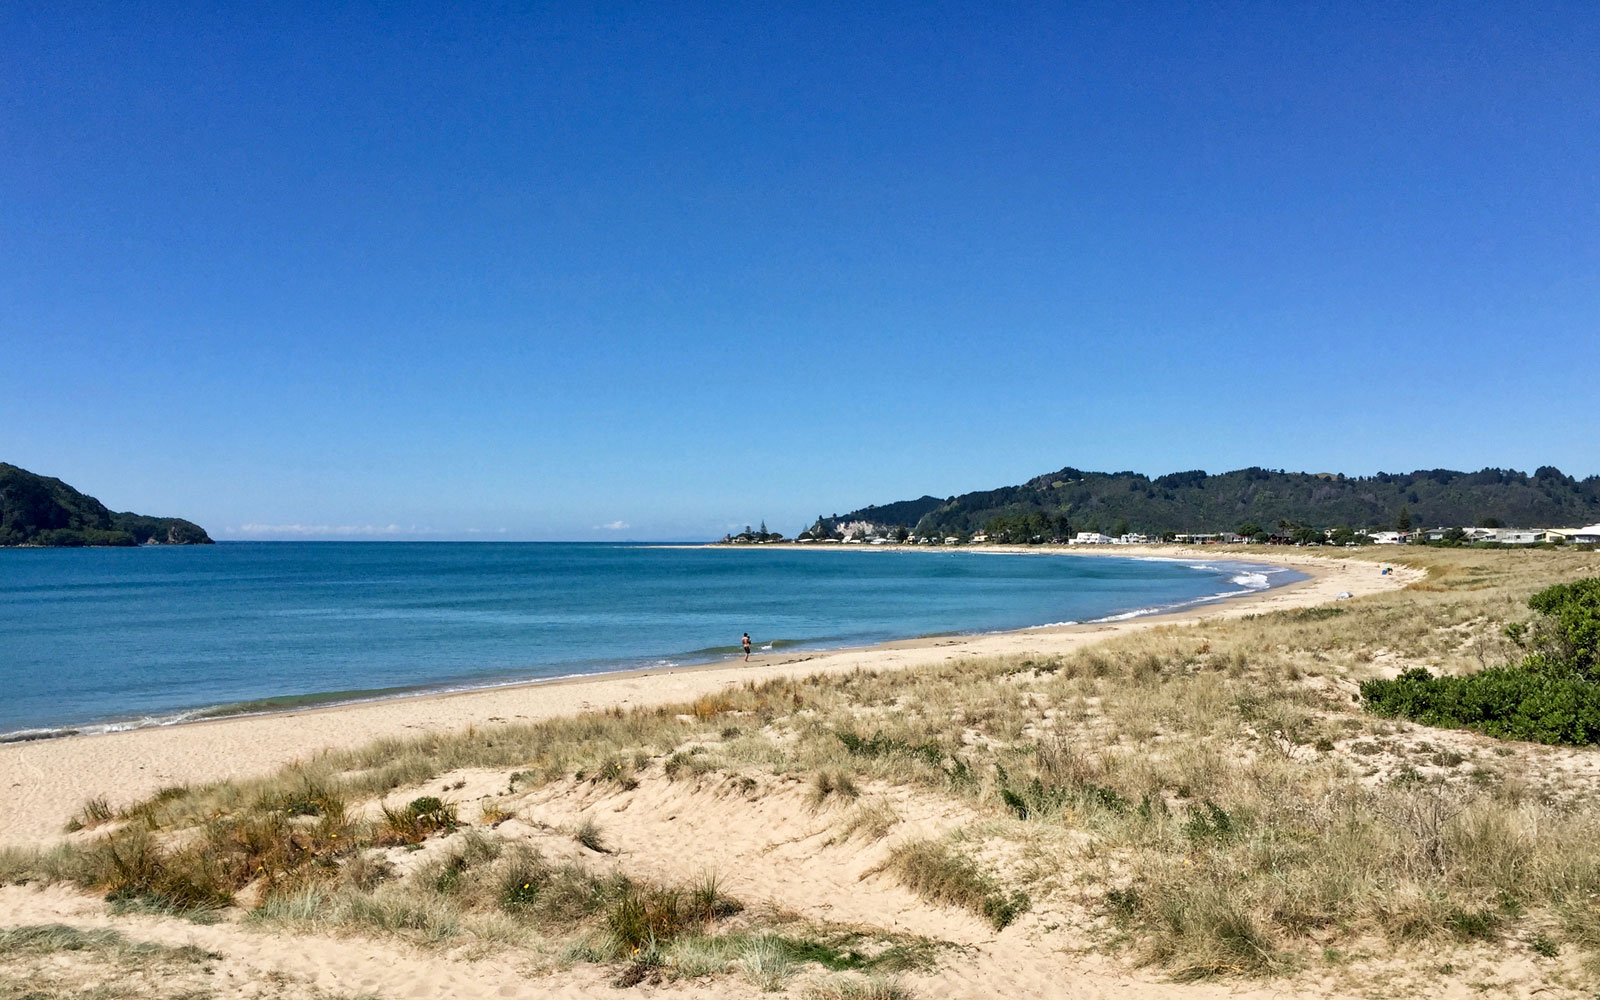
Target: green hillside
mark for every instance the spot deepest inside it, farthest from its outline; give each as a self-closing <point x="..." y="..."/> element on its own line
<point x="38" y="510"/>
<point x="1072" y="500"/>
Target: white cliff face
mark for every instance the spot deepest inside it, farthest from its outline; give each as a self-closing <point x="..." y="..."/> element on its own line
<point x="860" y="529"/>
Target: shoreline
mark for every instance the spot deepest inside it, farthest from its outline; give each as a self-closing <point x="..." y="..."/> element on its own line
<point x="278" y="704"/>
<point x="59" y="774"/>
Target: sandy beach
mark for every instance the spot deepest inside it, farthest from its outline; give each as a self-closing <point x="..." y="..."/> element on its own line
<point x="49" y="780"/>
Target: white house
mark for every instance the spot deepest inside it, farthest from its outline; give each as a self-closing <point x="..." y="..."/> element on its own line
<point x="1585" y="536"/>
<point x="1384" y="537"/>
<point x="1516" y="536"/>
<point x="1504" y="536"/>
<point x="1089" y="538"/>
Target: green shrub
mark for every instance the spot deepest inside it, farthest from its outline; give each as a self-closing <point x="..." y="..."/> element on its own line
<point x="1549" y="698"/>
<point x="1573" y="612"/>
<point x="1508" y="702"/>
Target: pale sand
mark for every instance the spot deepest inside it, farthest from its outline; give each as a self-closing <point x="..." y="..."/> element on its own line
<point x="47" y="781"/>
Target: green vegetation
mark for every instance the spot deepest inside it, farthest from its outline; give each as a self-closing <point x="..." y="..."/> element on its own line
<point x="1552" y="696"/>
<point x="938" y="872"/>
<point x="1029" y="528"/>
<point x="61" y="962"/>
<point x="419" y="818"/>
<point x="1247" y="498"/>
<point x="36" y="510"/>
<point x="753" y="536"/>
<point x="51" y="939"/>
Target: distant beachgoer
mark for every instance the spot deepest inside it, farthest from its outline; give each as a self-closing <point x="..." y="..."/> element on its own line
<point x="746" y="643"/>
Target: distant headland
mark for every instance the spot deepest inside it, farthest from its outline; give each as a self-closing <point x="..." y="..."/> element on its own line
<point x="44" y="512"/>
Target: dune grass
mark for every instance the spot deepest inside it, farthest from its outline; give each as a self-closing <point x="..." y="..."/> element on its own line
<point x="57" y="962"/>
<point x="941" y="873"/>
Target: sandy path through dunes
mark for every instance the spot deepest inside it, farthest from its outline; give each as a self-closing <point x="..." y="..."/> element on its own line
<point x="48" y="780"/>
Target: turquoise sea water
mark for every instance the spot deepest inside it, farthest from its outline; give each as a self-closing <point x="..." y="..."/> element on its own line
<point x="93" y="638"/>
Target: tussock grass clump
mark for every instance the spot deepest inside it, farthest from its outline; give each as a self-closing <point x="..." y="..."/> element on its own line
<point x="133" y="869"/>
<point x="449" y="873"/>
<point x="94" y="812"/>
<point x="766" y="963"/>
<point x="530" y="888"/>
<point x="688" y="764"/>
<point x="872" y="820"/>
<point x="827" y="783"/>
<point x="649" y="916"/>
<point x="588" y="834"/>
<point x="481" y="891"/>
<point x="939" y="873"/>
<point x="51" y="939"/>
<point x="858" y="988"/>
<point x="414" y="822"/>
<point x="492" y="815"/>
<point x="767" y="957"/>
<point x="1199" y="928"/>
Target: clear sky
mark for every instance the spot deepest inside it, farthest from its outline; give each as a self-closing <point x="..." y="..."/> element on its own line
<point x="654" y="270"/>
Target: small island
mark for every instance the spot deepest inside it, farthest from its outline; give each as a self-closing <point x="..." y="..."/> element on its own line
<point x="42" y="512"/>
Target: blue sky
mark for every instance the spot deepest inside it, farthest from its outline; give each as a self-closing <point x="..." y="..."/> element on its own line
<point x="649" y="271"/>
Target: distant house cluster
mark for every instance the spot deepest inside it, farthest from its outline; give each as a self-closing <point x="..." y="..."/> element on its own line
<point x="1589" y="535"/>
<point x="870" y="533"/>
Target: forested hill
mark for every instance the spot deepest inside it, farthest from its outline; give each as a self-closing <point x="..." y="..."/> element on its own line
<point x="38" y="510"/>
<point x="1197" y="502"/>
<point x="904" y="512"/>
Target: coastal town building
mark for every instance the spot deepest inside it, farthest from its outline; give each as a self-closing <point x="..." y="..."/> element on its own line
<point x="1089" y="538"/>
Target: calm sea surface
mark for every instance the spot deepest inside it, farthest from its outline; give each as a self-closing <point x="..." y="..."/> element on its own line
<point x="112" y="637"/>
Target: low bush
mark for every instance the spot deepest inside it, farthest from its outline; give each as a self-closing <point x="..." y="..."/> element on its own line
<point x="1550" y="697"/>
<point x="1514" y="703"/>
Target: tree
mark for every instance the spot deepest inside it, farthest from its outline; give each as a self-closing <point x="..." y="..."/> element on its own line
<point x="1490" y="522"/>
<point x="1306" y="536"/>
<point x="1250" y="529"/>
<point x="1403" y="521"/>
<point x="1122" y="527"/>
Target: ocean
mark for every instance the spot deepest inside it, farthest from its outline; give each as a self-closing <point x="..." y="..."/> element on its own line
<point x="94" y="639"/>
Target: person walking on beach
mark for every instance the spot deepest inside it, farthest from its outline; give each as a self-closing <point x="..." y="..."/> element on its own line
<point x="746" y="643"/>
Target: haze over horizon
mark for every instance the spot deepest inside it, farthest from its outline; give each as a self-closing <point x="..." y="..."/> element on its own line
<point x="657" y="274"/>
